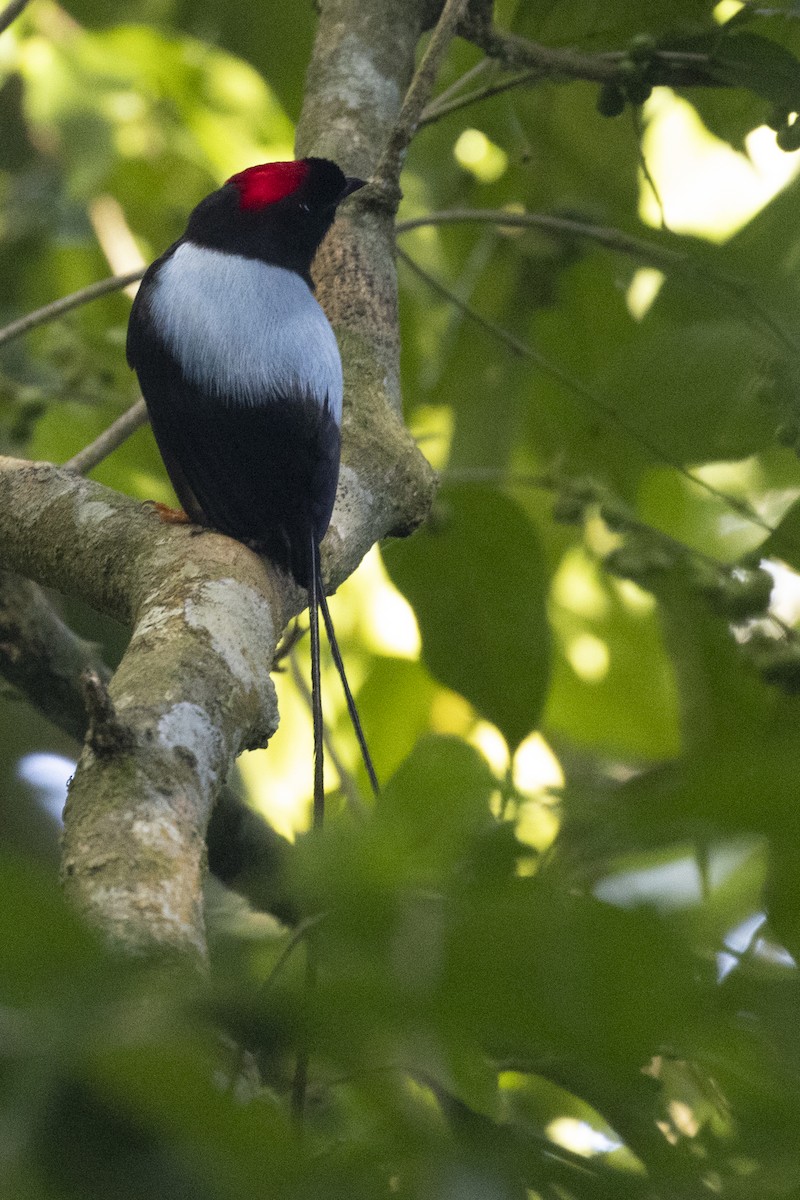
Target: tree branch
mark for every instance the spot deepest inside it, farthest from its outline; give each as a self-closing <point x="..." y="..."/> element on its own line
<point x="613" y="239"/>
<point x="46" y="661"/>
<point x="42" y="657"/>
<point x="644" y="250"/>
<point x="352" y="101"/>
<point x="670" y="68"/>
<point x="442" y="107"/>
<point x="456" y="87"/>
<point x="49" y="312"/>
<point x="549" y="62"/>
<point x="108" y="441"/>
<point x="191" y="692"/>
<point x="11" y="12"/>
<point x="193" y="688"/>
<point x="387" y="172"/>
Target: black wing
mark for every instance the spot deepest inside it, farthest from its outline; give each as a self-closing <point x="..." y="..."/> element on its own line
<point x="264" y="473"/>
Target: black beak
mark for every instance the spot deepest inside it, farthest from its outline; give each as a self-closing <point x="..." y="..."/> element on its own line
<point x="351" y="184"/>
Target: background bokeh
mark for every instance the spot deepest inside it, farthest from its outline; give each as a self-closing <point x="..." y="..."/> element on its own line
<point x="558" y="956"/>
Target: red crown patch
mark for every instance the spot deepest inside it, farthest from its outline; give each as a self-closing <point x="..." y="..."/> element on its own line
<point x="269" y="182"/>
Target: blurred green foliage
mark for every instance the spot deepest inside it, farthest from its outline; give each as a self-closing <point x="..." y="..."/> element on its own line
<point x="575" y="982"/>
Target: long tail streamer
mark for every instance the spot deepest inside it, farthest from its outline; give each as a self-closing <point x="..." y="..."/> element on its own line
<point x="348" y="695"/>
<point x="317" y="600"/>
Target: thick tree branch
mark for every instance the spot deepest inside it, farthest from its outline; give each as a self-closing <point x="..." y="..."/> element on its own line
<point x="46" y="661"/>
<point x="193" y="690"/>
<point x="247" y="855"/>
<point x="42" y="657"/>
<point x="361" y="69"/>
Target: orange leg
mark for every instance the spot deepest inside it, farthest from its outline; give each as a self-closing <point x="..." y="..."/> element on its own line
<point x="171" y="516"/>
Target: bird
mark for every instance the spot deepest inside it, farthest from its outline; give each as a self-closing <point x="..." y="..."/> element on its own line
<point x="242" y="377"/>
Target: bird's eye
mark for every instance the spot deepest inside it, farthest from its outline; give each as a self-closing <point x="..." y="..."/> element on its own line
<point x="305" y="207"/>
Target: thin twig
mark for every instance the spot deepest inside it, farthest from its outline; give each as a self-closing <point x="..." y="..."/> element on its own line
<point x="650" y="179"/>
<point x="455" y="88"/>
<point x="553" y="62"/>
<point x="49" y="312"/>
<point x="299" y="1088"/>
<point x="291" y="637"/>
<point x="439" y="108"/>
<point x="551" y="483"/>
<point x="299" y="933"/>
<point x="346" y="780"/>
<point x="390" y="164"/>
<point x="109" y="439"/>
<point x="612" y="239"/>
<point x="589" y="398"/>
<point x="11" y="12"/>
<point x="537" y="63"/>
<point x="130" y="421"/>
<point x="670" y="68"/>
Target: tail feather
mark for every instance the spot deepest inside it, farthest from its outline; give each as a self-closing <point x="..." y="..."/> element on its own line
<point x="351" y="704"/>
<point x="314" y="593"/>
<point x="300" y="1079"/>
<point x="316" y="601"/>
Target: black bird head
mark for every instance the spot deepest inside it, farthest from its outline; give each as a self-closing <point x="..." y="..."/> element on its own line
<point x="278" y="212"/>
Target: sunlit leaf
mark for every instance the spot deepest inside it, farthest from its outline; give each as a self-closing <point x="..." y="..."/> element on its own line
<point x="478" y="585"/>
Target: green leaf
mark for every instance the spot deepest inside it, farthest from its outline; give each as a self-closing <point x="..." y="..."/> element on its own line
<point x="628" y="708"/>
<point x="430" y="814"/>
<point x="532" y="971"/>
<point x="605" y="22"/>
<point x="784" y="542"/>
<point x="435" y="804"/>
<point x="692" y="392"/>
<point x="477" y="582"/>
<point x="274" y="38"/>
<point x="44" y="949"/>
<point x="170" y="1089"/>
<point x="394" y="703"/>
<point x="760" y="65"/>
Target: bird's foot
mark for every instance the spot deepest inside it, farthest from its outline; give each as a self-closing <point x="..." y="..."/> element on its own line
<point x="171" y="516"/>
